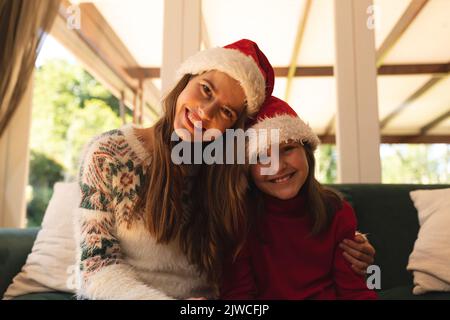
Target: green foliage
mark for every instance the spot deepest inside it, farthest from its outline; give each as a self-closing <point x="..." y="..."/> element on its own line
<point x="69" y="108"/>
<point x="326" y="164"/>
<point x="401" y="163"/>
<point x="37" y="206"/>
<point x="420" y="164"/>
<point x="44" y="172"/>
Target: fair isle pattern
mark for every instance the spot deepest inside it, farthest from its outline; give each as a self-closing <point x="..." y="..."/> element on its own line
<point x="116" y="255"/>
<point x="110" y="179"/>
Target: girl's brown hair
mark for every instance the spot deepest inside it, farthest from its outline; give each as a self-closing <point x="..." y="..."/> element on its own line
<point x="321" y="202"/>
<point x="212" y="228"/>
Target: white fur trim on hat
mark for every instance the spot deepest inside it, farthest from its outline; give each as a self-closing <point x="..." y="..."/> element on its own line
<point x="234" y="63"/>
<point x="290" y="128"/>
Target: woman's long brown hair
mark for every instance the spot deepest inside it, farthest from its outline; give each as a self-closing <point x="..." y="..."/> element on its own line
<point x="321" y="202"/>
<point x="213" y="228"/>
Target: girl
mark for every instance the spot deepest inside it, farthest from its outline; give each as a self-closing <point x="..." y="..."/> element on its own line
<point x="293" y="250"/>
<point x="143" y="232"/>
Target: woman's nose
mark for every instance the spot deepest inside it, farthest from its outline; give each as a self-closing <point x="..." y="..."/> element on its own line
<point x="206" y="111"/>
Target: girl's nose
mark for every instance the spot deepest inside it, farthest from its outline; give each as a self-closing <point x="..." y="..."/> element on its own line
<point x="281" y="163"/>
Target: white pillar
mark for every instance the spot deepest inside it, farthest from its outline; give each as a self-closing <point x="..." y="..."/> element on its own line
<point x="357" y="123"/>
<point x="14" y="164"/>
<point x="181" y="38"/>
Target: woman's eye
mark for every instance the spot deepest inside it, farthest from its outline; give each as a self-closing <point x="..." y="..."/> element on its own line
<point x="227" y="113"/>
<point x="206" y="90"/>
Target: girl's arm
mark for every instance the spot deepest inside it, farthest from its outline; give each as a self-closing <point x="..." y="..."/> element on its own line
<point x="349" y="285"/>
<point x="103" y="273"/>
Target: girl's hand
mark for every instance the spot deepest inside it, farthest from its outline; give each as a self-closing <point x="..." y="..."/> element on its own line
<point x="359" y="253"/>
<point x="200" y="298"/>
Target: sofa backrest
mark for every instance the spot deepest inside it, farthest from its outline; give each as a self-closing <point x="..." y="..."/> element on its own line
<point x="387" y="213"/>
<point x="15" y="245"/>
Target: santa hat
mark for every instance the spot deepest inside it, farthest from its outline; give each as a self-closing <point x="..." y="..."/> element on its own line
<point x="241" y="60"/>
<point x="277" y="114"/>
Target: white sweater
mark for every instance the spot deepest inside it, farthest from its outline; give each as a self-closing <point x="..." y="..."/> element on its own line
<point x="117" y="257"/>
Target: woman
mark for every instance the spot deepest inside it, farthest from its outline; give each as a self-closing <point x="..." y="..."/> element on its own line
<point x="143" y="231"/>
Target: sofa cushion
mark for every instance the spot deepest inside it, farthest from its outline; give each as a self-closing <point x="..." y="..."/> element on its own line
<point x="46" y="296"/>
<point x="430" y="260"/>
<point x="406" y="293"/>
<point x="388" y="215"/>
<point x="15" y="245"/>
<point x="51" y="264"/>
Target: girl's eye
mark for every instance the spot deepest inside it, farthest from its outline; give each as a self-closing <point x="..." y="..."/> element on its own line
<point x="288" y="149"/>
<point x="227" y="113"/>
<point x="263" y="159"/>
<point x="206" y="90"/>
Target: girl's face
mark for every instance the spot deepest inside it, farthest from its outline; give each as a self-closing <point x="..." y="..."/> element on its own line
<point x="212" y="100"/>
<point x="292" y="173"/>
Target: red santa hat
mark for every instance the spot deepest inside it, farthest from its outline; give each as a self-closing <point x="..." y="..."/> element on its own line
<point x="241" y="60"/>
<point x="277" y="114"/>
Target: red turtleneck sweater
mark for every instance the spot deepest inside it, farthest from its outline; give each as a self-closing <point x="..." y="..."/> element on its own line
<point x="291" y="264"/>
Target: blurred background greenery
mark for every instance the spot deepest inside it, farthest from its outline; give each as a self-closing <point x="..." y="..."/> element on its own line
<point x="69" y="108"/>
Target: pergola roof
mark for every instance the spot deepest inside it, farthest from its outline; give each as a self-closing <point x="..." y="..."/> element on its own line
<point x="412" y="42"/>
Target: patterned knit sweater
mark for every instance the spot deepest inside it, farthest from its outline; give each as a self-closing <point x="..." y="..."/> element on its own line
<point x="117" y="257"/>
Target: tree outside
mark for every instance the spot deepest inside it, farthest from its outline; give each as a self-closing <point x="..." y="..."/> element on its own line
<point x="69" y="108"/>
<point x="400" y="163"/>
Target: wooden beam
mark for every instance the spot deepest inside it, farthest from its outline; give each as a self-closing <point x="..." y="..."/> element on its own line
<point x="102" y="52"/>
<point x="397" y="139"/>
<point x="416" y="95"/>
<point x="110" y="46"/>
<point x="143" y="73"/>
<point x="297" y="45"/>
<point x="74" y="42"/>
<point x="434" y="122"/>
<point x="322" y="71"/>
<point x="181" y="37"/>
<point x="413" y="139"/>
<point x="406" y="69"/>
<point x="330" y="126"/>
<point x="204" y="33"/>
<point x="413" y="10"/>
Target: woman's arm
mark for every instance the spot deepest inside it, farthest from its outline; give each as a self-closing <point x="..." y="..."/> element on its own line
<point x="349" y="285"/>
<point x="103" y="273"/>
<point x="359" y="252"/>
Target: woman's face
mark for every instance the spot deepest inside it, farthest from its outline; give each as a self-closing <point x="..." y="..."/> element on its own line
<point x="212" y="100"/>
<point x="292" y="173"/>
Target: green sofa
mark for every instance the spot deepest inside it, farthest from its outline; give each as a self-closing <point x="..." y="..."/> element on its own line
<point x="385" y="212"/>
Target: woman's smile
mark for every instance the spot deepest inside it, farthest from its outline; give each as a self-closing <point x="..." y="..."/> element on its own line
<point x="192" y="121"/>
<point x="212" y="100"/>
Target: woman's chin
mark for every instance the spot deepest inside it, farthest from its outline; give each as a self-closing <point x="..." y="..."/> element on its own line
<point x="184" y="134"/>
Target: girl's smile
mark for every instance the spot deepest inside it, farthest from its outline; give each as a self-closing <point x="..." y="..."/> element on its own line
<point x="292" y="173"/>
<point x="283" y="179"/>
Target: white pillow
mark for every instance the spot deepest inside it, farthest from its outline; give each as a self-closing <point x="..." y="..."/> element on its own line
<point x="51" y="264"/>
<point x="430" y="259"/>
